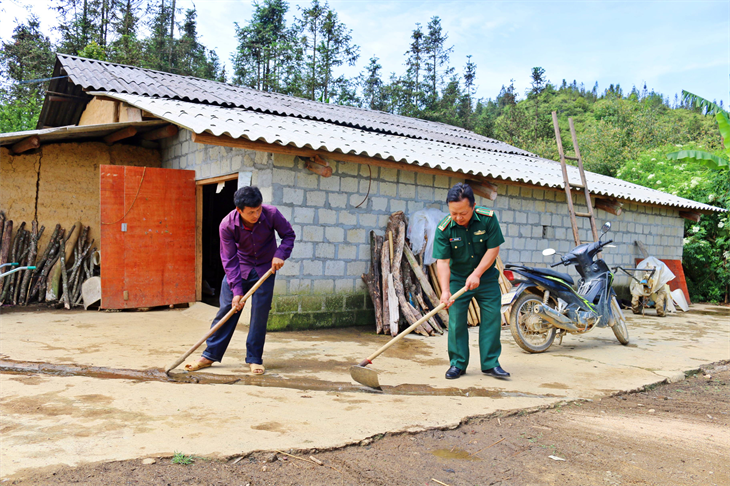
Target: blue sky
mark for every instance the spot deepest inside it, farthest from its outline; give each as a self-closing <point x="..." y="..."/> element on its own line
<point x="669" y="45"/>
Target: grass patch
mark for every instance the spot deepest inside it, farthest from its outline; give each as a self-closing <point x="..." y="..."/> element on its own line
<point x="180" y="458"/>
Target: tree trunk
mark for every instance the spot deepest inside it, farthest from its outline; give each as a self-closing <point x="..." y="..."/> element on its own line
<point x="5" y="247"/>
<point x="390" y="305"/>
<point x="372" y="280"/>
<point x="35" y="236"/>
<point x="399" y="237"/>
<point x="54" y="278"/>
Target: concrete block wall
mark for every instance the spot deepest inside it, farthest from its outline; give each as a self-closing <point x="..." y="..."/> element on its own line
<point x="320" y="285"/>
<point x="533" y="219"/>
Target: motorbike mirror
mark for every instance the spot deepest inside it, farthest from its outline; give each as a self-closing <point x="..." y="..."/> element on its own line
<point x="610" y="246"/>
<point x="606" y="227"/>
<point x="548" y="251"/>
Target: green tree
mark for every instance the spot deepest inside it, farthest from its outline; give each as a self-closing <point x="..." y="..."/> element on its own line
<point x="327" y="44"/>
<point x="127" y="48"/>
<point x="159" y="46"/>
<point x="267" y="56"/>
<point x="192" y="58"/>
<point x="372" y="86"/>
<point x="27" y="56"/>
<point x="437" y="58"/>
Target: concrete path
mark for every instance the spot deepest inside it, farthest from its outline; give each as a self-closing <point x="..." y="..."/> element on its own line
<point x="50" y="419"/>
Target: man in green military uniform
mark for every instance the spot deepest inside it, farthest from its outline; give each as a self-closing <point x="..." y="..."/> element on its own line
<point x="466" y="246"/>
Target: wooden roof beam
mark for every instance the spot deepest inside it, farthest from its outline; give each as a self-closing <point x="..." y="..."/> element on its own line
<point x="26" y="144"/>
<point x="610" y="205"/>
<point x="691" y="215"/>
<point x="120" y="135"/>
<point x="318" y="165"/>
<point x="484" y="189"/>
<point x="164" y="132"/>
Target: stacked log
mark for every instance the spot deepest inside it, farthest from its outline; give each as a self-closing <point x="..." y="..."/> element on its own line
<point x="66" y="262"/>
<point x="399" y="285"/>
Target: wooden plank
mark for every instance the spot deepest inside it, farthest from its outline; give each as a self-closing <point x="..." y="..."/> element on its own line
<point x="29" y="143"/>
<point x="216" y="180"/>
<point x="642" y="249"/>
<point x="198" y="243"/>
<point x="120" y="135"/>
<point x="153" y="261"/>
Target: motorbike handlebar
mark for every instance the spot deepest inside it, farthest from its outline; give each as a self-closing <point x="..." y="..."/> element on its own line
<point x="561" y="262"/>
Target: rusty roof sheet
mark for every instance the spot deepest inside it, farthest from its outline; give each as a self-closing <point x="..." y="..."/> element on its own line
<point x="303" y="133"/>
<point x="93" y="75"/>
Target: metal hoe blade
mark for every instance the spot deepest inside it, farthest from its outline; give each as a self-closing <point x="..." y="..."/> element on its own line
<point x="365" y="376"/>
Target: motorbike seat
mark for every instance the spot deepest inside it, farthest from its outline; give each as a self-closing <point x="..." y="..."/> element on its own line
<point x="545" y="271"/>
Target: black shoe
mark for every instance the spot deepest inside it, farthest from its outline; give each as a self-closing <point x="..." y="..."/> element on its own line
<point x="454" y="372"/>
<point x="496" y="372"/>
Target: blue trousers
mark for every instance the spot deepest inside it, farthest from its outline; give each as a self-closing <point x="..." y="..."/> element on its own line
<point x="260" y="307"/>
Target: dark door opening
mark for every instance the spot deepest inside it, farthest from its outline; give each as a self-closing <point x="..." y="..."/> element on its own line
<point x="216" y="205"/>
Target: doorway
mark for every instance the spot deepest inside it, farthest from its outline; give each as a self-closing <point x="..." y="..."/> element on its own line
<point x="217" y="203"/>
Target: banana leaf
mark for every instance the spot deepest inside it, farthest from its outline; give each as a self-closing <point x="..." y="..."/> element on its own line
<point x="706" y="158"/>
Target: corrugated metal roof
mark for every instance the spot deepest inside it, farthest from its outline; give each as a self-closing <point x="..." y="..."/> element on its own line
<point x="302" y="133"/>
<point x="95" y="75"/>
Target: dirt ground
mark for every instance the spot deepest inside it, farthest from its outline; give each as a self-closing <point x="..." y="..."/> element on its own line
<point x="673" y="433"/>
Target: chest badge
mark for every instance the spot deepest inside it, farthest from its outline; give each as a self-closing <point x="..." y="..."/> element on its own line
<point x="455" y="239"/>
<point x="480" y="232"/>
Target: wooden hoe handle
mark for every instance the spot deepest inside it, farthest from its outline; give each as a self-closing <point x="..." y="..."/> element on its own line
<point x="410" y="329"/>
<point x="220" y="323"/>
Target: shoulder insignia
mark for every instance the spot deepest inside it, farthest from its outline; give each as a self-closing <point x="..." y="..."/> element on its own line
<point x="444" y="223"/>
<point x="485" y="211"/>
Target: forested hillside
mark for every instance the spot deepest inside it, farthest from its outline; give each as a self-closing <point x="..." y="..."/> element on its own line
<point x="622" y="132"/>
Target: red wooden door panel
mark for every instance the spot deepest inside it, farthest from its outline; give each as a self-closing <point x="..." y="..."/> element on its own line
<point x="147" y="236"/>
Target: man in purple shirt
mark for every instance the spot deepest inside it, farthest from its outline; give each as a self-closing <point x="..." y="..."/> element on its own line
<point x="248" y="250"/>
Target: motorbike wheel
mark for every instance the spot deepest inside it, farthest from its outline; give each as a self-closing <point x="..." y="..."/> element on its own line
<point x="619" y="326"/>
<point x="523" y="322"/>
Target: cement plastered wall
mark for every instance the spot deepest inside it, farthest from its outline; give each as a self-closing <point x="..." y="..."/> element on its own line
<point x="321" y="286"/>
<point x="63" y="180"/>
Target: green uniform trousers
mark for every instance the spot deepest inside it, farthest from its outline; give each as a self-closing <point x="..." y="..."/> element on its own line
<point x="488" y="296"/>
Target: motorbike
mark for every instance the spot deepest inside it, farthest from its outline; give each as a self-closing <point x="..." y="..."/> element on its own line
<point x="545" y="305"/>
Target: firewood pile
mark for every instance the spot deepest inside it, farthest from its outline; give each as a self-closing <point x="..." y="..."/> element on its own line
<point x="403" y="289"/>
<point x="60" y="269"/>
<point x="400" y="290"/>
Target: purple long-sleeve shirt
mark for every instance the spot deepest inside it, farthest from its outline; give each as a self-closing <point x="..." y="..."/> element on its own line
<point x="243" y="250"/>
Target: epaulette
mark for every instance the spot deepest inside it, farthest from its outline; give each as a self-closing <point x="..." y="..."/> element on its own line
<point x="485" y="211"/>
<point x="444" y="223"/>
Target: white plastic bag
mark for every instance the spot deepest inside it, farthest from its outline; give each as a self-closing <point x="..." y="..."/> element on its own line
<point x="422" y="229"/>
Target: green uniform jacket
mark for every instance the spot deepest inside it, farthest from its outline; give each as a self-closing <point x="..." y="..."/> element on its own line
<point x="465" y="247"/>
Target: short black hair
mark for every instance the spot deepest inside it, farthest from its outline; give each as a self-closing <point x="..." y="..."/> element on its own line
<point x="459" y="192"/>
<point x="248" y="197"/>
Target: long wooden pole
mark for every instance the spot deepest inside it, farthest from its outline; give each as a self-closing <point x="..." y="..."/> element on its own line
<point x="409" y="329"/>
<point x="218" y="326"/>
